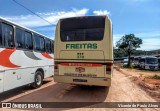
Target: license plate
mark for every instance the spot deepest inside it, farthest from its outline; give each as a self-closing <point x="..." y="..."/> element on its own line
<point x="79" y="80"/>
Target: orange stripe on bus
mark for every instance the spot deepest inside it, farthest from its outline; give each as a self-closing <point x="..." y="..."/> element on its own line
<point x="81" y="64"/>
<point x="46" y="55"/>
<point x="4" y="58"/>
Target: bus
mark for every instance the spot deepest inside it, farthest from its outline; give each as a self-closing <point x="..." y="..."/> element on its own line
<point x="26" y="57"/>
<point x="84" y="51"/>
<point x="149" y="62"/>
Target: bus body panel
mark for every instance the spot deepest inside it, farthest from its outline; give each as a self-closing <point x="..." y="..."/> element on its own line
<point x="82" y="54"/>
<point x="78" y="53"/>
<point x="108" y="52"/>
<point x="24" y="74"/>
<point x="83" y="81"/>
<point x="1" y="81"/>
<point x="82" y="69"/>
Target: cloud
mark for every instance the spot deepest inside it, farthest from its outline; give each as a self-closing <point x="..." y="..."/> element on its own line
<point x="151" y="40"/>
<point x="101" y="12"/>
<point x="150" y="44"/>
<point x="52" y="17"/>
<point x="146" y="35"/>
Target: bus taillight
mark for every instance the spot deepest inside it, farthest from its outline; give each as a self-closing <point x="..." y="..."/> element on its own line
<point x="108" y="68"/>
<point x="55" y="67"/>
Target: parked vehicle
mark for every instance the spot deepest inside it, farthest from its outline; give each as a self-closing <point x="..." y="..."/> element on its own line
<point x="136" y="61"/>
<point x="83" y="51"/>
<point x="159" y="62"/>
<point x="26" y="56"/>
<point x="150" y="63"/>
<point x="132" y="59"/>
<point x="125" y="62"/>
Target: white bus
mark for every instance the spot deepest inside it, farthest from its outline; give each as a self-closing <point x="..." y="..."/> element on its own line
<point x="84" y="51"/>
<point x="26" y="57"/>
<point x="150" y="63"/>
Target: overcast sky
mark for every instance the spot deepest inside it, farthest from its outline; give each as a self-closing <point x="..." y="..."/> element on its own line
<point x="140" y="17"/>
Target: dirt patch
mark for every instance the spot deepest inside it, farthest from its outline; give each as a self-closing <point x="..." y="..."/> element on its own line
<point x="155" y="82"/>
<point x="151" y="86"/>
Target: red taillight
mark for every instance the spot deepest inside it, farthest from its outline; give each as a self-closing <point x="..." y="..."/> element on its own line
<point x="108" y="68"/>
<point x="55" y="67"/>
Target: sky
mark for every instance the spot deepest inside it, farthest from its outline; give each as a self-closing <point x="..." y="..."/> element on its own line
<point x="139" y="17"/>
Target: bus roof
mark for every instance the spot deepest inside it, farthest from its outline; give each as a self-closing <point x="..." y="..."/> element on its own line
<point x="5" y="20"/>
<point x="100" y="16"/>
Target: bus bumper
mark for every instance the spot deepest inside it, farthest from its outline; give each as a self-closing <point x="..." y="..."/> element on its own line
<point x="83" y="80"/>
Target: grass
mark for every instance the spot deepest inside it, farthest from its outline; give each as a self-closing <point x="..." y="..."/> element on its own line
<point x="154" y="77"/>
<point x="144" y="70"/>
<point x="133" y="67"/>
<point x="126" y="66"/>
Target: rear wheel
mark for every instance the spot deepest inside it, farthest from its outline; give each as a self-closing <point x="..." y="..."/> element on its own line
<point x="38" y="79"/>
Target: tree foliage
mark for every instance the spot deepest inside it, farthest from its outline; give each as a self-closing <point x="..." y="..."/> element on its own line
<point x="129" y="43"/>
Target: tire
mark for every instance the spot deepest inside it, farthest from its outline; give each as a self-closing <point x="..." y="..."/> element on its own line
<point x="38" y="79"/>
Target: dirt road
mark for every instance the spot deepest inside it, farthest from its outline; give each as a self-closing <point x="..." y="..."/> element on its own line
<point x="123" y="89"/>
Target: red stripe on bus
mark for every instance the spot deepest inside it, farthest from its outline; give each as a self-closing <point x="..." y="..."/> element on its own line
<point x="4" y="58"/>
<point x="81" y="64"/>
<point x="46" y="55"/>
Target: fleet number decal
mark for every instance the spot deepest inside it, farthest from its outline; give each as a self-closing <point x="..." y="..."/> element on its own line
<point x="82" y="46"/>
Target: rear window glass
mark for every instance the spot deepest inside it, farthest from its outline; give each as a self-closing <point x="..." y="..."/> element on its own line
<point x="82" y="28"/>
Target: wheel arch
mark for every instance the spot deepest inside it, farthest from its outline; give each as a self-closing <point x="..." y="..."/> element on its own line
<point x="41" y="70"/>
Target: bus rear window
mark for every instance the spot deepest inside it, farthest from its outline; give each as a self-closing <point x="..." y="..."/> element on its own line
<point x="82" y="29"/>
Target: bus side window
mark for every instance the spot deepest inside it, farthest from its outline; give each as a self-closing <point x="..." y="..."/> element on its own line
<point x="0" y="35"/>
<point x="38" y="43"/>
<point x="7" y="35"/>
<point x="52" y="46"/>
<point x="19" y="38"/>
<point x="47" y="41"/>
<point x="28" y="41"/>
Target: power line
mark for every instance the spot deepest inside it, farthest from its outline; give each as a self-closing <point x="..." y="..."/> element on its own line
<point x="32" y="11"/>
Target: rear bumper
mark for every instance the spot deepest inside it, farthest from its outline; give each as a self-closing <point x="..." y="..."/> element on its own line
<point x="83" y="80"/>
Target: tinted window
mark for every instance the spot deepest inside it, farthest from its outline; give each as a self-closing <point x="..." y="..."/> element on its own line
<point x="82" y="28"/>
<point x="48" y="45"/>
<point x="151" y="60"/>
<point x="142" y="60"/>
<point x="23" y="39"/>
<point x="28" y="41"/>
<point x="7" y="35"/>
<point x="0" y="35"/>
<point x="38" y="43"/>
<point x="83" y="35"/>
<point x="136" y="59"/>
<point x="52" y="46"/>
<point x="19" y="38"/>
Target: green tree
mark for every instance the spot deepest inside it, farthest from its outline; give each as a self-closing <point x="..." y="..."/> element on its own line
<point x="129" y="43"/>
